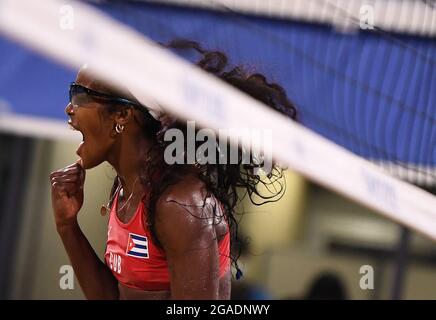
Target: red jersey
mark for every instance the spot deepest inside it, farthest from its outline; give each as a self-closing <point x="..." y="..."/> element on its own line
<point x="136" y="261"/>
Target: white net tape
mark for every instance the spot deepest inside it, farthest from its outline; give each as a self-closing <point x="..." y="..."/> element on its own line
<point x="416" y="17"/>
<point x="126" y="58"/>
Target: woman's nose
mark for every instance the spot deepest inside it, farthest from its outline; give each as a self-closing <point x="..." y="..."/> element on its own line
<point x="69" y="110"/>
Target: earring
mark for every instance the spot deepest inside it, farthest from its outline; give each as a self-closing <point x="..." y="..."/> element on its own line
<point x="119" y="128"/>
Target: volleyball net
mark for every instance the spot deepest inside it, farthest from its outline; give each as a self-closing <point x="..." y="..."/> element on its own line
<point x="360" y="74"/>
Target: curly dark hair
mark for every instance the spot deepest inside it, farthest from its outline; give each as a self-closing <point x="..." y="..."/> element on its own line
<point x="227" y="183"/>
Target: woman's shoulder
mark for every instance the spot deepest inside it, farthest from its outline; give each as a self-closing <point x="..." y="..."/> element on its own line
<point x="190" y="189"/>
<point x="182" y="212"/>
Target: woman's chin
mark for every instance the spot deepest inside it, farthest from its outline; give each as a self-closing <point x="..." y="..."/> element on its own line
<point x="86" y="163"/>
<point x="80" y="162"/>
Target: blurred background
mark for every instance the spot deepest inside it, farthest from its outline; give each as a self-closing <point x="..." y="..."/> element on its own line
<point x="313" y="243"/>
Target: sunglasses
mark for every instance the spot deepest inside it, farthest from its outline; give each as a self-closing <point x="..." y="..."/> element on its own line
<point x="79" y="95"/>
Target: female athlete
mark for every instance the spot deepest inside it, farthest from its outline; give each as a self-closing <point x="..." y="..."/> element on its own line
<point x="170" y="225"/>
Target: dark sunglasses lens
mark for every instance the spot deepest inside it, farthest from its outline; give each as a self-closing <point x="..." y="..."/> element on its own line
<point x="72" y="92"/>
<point x="77" y="95"/>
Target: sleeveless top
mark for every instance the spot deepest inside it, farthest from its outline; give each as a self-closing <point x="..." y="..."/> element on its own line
<point x="136" y="261"/>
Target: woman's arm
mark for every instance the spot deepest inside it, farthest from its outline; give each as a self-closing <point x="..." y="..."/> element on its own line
<point x="95" y="278"/>
<point x="188" y="237"/>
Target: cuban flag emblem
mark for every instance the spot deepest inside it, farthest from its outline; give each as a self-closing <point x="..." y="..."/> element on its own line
<point x="137" y="246"/>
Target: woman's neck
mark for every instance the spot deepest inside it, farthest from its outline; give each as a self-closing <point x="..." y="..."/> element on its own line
<point x="127" y="158"/>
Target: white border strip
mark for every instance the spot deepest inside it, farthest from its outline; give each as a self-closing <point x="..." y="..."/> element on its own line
<point x="37" y="127"/>
<point x="125" y="57"/>
<point x="410" y="16"/>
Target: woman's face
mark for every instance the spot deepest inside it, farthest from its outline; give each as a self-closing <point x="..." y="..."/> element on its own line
<point x="97" y="126"/>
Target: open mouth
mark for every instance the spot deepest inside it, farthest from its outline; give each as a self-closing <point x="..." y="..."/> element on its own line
<point x="75" y="128"/>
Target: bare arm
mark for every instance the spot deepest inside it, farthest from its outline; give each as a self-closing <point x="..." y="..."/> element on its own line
<point x="95" y="278"/>
<point x="188" y="237"/>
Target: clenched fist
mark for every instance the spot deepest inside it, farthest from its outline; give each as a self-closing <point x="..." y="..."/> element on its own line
<point x="67" y="193"/>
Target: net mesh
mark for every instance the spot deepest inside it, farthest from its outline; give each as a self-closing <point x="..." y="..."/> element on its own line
<point x="355" y="75"/>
